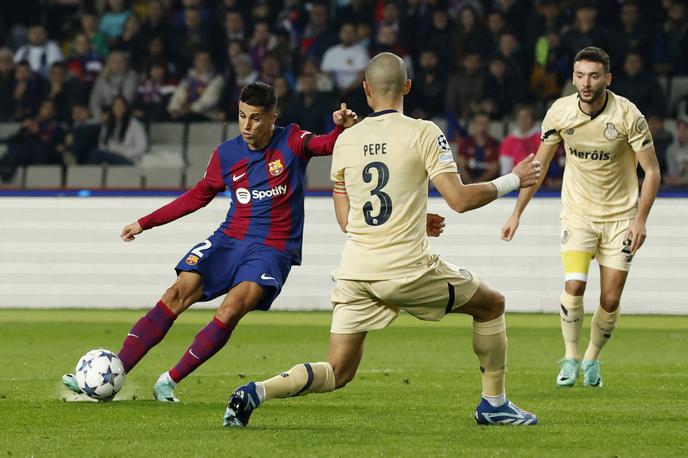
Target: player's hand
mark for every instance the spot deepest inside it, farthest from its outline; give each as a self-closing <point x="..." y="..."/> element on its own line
<point x="434" y="225"/>
<point x="636" y="233"/>
<point x="130" y="230"/>
<point x="528" y="170"/>
<point x="344" y="117"/>
<point x="509" y="228"/>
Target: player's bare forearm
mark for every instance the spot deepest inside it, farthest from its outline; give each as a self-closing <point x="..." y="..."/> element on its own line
<point x="463" y="197"/>
<point x="648" y="161"/>
<point x="341" y="205"/>
<point x="544" y="154"/>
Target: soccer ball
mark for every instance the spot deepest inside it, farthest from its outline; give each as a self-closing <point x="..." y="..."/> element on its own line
<point x="100" y="374"/>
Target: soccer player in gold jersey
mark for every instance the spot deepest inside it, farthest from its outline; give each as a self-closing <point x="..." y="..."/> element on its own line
<point x="605" y="138"/>
<point x="381" y="172"/>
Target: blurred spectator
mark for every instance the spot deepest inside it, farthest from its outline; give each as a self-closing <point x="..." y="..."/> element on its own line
<point x="523" y="140"/>
<point x="516" y="13"/>
<point x="40" y="52"/>
<point x="270" y="70"/>
<point x="83" y="63"/>
<point x="465" y="86"/>
<point x="244" y="74"/>
<point x="155" y="23"/>
<point x="178" y="18"/>
<point x="496" y="25"/>
<point x="63" y="90"/>
<point x="122" y="137"/>
<point x="545" y="19"/>
<point x="509" y="48"/>
<point x="478" y="153"/>
<point x="387" y="40"/>
<point x="426" y="99"/>
<point x="36" y="142"/>
<point x="364" y="35"/>
<point x="89" y="26"/>
<point x="672" y="42"/>
<point x="154" y="94"/>
<point x="157" y="52"/>
<point x="439" y="35"/>
<point x="312" y="106"/>
<point x="81" y="137"/>
<point x="132" y="42"/>
<point x="547" y="74"/>
<point x="415" y="23"/>
<point x="639" y="86"/>
<point x="633" y="35"/>
<point x="292" y="19"/>
<point x="28" y="92"/>
<point x="6" y="84"/>
<point x="197" y="96"/>
<point x="317" y="36"/>
<point x="286" y="101"/>
<point x="112" y="22"/>
<point x="501" y="90"/>
<point x="191" y="37"/>
<point x="471" y="36"/>
<point x="323" y="80"/>
<point x="677" y="156"/>
<point x="661" y="138"/>
<point x="116" y="79"/>
<point x="355" y="11"/>
<point x="234" y="27"/>
<point x="391" y="17"/>
<point x="346" y="63"/>
<point x="585" y="32"/>
<point x="262" y="42"/>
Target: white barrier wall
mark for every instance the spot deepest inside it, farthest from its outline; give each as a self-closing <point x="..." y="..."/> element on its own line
<point x="66" y="252"/>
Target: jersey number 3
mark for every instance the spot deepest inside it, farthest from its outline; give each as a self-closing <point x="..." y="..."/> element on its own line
<point x="385" y="200"/>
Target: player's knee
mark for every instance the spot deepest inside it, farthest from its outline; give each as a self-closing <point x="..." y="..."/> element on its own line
<point x="231" y="312"/>
<point x="174" y="299"/>
<point x="342" y="376"/>
<point x="610" y="302"/>
<point x="575" y="287"/>
<point x="495" y="308"/>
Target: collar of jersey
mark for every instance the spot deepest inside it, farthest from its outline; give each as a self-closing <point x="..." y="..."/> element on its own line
<point x="600" y="111"/>
<point x="383" y="112"/>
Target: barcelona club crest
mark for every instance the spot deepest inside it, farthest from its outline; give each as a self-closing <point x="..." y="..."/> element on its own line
<point x="192" y="260"/>
<point x="275" y="167"/>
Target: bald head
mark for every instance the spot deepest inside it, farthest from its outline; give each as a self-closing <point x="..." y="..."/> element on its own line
<point x="386" y="75"/>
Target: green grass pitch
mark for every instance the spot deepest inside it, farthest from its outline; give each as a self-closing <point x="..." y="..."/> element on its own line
<point x="414" y="395"/>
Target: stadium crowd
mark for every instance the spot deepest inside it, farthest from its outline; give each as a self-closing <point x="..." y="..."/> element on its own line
<point x="84" y="79"/>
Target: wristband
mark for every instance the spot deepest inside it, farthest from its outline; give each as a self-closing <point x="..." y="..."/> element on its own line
<point x="506" y="183"/>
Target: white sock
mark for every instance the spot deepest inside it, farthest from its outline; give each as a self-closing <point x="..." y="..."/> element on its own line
<point x="165" y="377"/>
<point x="496" y="401"/>
<point x="260" y="391"/>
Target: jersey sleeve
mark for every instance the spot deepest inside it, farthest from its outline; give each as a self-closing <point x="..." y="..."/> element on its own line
<point x="197" y="197"/>
<point x="337" y="168"/>
<point x="639" y="136"/>
<point x="550" y="129"/>
<point x="435" y="151"/>
<point x="306" y="145"/>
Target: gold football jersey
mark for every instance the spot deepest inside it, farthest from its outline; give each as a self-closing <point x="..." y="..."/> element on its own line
<point x="385" y="162"/>
<point x="600" y="181"/>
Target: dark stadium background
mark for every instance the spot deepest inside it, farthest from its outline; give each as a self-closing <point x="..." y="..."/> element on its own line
<point x="465" y="57"/>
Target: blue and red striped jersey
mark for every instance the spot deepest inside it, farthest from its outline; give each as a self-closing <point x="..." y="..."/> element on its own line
<point x="266" y="188"/>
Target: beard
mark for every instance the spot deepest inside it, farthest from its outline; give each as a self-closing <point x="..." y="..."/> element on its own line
<point x="593" y="97"/>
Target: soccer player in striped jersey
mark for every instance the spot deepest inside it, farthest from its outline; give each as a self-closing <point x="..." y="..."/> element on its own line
<point x="249" y="256"/>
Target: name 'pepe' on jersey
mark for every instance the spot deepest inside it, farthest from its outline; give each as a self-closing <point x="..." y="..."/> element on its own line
<point x="385" y="162"/>
<point x="266" y="186"/>
<point x="600" y="181"/>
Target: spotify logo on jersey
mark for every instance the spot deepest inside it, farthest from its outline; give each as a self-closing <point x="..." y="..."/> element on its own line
<point x="243" y="195"/>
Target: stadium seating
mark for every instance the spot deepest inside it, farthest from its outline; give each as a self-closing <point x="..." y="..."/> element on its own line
<point x="17" y="182"/>
<point x="318" y="174"/>
<point x="84" y="177"/>
<point x="678" y="89"/>
<point x="162" y="178"/>
<point x="43" y="177"/>
<point x="123" y="177"/>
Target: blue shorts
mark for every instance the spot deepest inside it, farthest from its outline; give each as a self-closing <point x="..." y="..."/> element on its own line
<point x="224" y="262"/>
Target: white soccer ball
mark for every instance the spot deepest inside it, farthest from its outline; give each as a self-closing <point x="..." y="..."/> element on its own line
<point x="100" y="374"/>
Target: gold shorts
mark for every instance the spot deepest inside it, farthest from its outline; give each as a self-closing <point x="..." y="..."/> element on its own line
<point x="361" y="306"/>
<point x="583" y="240"/>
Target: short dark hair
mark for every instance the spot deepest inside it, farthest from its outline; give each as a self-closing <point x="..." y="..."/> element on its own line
<point x="259" y="94"/>
<point x="594" y="54"/>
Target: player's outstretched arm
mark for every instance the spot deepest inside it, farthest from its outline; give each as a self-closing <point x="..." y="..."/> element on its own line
<point x="344" y="117"/>
<point x="544" y="155"/>
<point x="465" y="197"/>
<point x="637" y="231"/>
<point x="130" y="231"/>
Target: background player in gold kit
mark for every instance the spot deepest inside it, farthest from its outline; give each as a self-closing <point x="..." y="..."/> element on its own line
<point x="381" y="174"/>
<point x="605" y="137"/>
